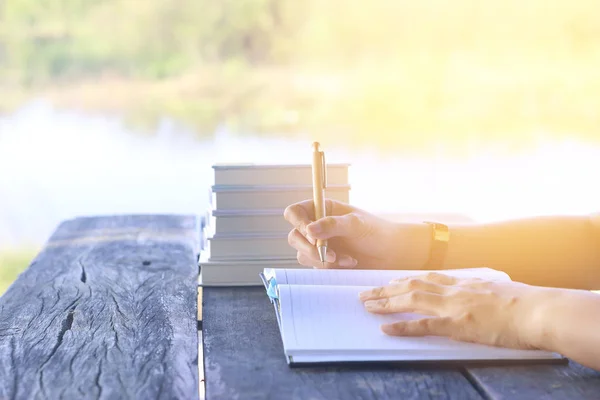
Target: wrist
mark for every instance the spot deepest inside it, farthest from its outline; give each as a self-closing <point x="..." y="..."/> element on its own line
<point x="412" y="245"/>
<point x="563" y="318"/>
<point x="544" y="319"/>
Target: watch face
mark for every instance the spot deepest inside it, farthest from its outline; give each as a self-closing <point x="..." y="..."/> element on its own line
<point x="440" y="231"/>
<point x="442" y="235"/>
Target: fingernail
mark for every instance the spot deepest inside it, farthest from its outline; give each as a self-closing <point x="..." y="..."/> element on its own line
<point x="370" y="294"/>
<point x="375" y="304"/>
<point x="347" y="261"/>
<point x="330" y="256"/>
<point x="392" y="329"/>
<point x="393" y="281"/>
<point x="370" y="305"/>
<point x="310" y="239"/>
<point x="364" y="295"/>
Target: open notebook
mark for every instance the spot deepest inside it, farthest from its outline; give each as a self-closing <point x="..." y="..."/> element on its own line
<point x="322" y="320"/>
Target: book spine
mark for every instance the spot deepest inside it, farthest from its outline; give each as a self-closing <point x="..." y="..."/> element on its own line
<point x="337" y="175"/>
<point x="244" y="200"/>
<point x="220" y="247"/>
<point x="249" y="223"/>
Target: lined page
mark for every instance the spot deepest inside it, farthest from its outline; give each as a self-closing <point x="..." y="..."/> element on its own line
<point x="333" y="318"/>
<point x="328" y="320"/>
<point x="345" y="277"/>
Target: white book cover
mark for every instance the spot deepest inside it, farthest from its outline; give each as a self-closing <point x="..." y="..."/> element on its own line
<point x="322" y="320"/>
<point x="276" y="174"/>
<point x="247" y="246"/>
<point x="249" y="221"/>
<point x="267" y="197"/>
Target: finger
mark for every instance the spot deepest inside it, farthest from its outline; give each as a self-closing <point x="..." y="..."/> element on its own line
<point x="349" y="225"/>
<point x="302" y="213"/>
<point x="304" y="259"/>
<point x="311" y="255"/>
<point x="298" y="216"/>
<point x="429" y="303"/>
<point x="344" y="262"/>
<point x="436" y="326"/>
<point x="433" y="277"/>
<point x="307" y="207"/>
<point x="310" y="261"/>
<point x="402" y="288"/>
<point x="301" y="243"/>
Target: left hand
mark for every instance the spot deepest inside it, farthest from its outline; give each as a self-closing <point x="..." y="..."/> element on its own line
<point x="505" y="314"/>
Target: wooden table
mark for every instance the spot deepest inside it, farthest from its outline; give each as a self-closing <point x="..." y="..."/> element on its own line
<point x="243" y="356"/>
<point x="109" y="310"/>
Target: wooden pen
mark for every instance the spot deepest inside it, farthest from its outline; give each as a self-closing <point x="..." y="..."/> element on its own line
<point x="319" y="177"/>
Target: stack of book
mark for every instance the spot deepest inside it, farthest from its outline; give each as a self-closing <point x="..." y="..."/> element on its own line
<point x="246" y="230"/>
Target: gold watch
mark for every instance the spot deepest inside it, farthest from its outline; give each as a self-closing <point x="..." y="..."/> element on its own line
<point x="440" y="236"/>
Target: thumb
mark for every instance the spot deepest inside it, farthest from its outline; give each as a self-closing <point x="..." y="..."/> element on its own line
<point x="348" y="225"/>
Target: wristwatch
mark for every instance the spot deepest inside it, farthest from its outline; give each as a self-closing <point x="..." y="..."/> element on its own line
<point x="440" y="236"/>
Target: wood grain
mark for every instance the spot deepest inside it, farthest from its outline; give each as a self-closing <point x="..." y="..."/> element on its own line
<point x="571" y="381"/>
<point x="106" y="311"/>
<point x="244" y="359"/>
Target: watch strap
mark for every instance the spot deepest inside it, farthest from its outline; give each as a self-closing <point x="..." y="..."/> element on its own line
<point x="440" y="236"/>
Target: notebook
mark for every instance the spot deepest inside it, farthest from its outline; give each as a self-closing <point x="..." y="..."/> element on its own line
<point x="322" y="320"/>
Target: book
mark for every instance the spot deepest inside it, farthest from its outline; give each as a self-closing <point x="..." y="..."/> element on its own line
<point x="239" y="272"/>
<point x="249" y="221"/>
<point x="322" y="320"/>
<point x="250" y="246"/>
<point x="269" y="197"/>
<point x="246" y="229"/>
<point x="276" y="174"/>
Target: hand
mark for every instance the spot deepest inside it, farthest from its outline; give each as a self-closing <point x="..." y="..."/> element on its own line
<point x="356" y="238"/>
<point x="505" y="314"/>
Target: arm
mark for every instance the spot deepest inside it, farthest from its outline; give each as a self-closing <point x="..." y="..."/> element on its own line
<point x="549" y="251"/>
<point x="570" y="324"/>
<point x="498" y="313"/>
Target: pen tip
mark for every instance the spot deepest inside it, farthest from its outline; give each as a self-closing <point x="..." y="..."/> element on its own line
<point x="322" y="253"/>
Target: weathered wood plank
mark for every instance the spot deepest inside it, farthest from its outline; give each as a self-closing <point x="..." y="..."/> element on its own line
<point x="243" y="358"/>
<point x="107" y="310"/>
<point x="571" y="381"/>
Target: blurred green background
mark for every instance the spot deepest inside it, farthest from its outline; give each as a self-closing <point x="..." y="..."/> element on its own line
<point x="408" y="71"/>
<point x="12" y="263"/>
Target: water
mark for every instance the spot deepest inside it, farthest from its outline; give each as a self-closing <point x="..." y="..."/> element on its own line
<point x="56" y="165"/>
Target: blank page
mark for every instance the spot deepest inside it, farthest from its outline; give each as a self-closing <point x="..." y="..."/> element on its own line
<point x="326" y="320"/>
<point x="340" y="277"/>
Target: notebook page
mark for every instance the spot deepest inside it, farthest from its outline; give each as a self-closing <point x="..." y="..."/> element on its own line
<point x="340" y="277"/>
<point x="333" y="320"/>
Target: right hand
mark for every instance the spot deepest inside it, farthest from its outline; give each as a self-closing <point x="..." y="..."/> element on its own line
<point x="356" y="238"/>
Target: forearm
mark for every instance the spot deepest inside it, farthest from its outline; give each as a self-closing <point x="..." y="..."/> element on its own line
<point x="557" y="251"/>
<point x="570" y="325"/>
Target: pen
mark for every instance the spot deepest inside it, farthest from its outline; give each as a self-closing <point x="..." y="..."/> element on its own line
<point x="319" y="176"/>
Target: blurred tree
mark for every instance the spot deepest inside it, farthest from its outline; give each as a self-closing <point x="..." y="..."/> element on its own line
<point x="446" y="70"/>
<point x="54" y="39"/>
